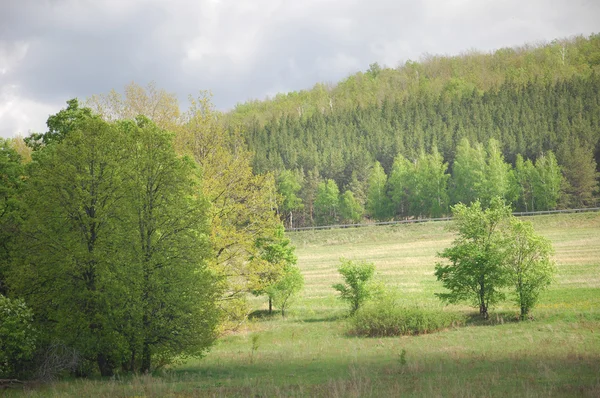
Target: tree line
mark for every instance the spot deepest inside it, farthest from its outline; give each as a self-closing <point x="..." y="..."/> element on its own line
<point x="425" y="188"/>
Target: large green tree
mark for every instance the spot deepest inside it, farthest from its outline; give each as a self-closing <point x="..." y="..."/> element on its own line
<point x="175" y="291"/>
<point x="73" y="249"/>
<point x="475" y="272"/>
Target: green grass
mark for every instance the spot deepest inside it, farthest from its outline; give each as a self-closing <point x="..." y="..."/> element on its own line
<point x="310" y="353"/>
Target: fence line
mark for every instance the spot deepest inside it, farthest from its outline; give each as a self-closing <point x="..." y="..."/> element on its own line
<point x="422" y="220"/>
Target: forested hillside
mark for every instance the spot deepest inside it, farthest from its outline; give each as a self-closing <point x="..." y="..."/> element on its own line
<point x="529" y="112"/>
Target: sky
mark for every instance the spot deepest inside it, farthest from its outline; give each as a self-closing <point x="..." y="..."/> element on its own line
<point x="54" y="50"/>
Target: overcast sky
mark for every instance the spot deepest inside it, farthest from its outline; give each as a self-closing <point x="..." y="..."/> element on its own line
<point x="54" y="50"/>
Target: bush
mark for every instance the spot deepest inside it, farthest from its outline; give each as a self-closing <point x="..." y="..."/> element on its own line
<point x="386" y="317"/>
<point x="17" y="336"/>
<point x="357" y="287"/>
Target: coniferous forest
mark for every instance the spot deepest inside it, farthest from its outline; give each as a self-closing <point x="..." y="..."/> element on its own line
<point x="520" y="123"/>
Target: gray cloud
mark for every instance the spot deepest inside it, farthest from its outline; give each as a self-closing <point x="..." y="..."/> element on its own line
<point x="54" y="50"/>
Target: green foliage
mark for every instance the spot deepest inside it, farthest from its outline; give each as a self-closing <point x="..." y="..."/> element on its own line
<point x="357" y="287"/>
<point x="11" y="182"/>
<point x="547" y="186"/>
<point x="277" y="257"/>
<point x="428" y="192"/>
<point x="17" y="336"/>
<point x="581" y="177"/>
<point x="174" y="289"/>
<point x="327" y="202"/>
<point x="350" y="208"/>
<point x="528" y="265"/>
<point x="114" y="247"/>
<point x="475" y="273"/>
<point x="514" y="101"/>
<point x="493" y="251"/>
<point x="378" y="203"/>
<point x="288" y="186"/>
<point x="286" y="287"/>
<point x="60" y="125"/>
<point x="400" y="184"/>
<point x="387" y="317"/>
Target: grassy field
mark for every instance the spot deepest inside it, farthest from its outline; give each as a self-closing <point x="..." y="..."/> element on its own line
<point x="309" y="352"/>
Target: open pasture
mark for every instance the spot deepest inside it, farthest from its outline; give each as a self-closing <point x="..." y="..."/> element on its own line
<point x="309" y="352"/>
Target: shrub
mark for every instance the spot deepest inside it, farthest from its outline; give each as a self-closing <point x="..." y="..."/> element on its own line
<point x="17" y="336"/>
<point x="357" y="287"/>
<point x="386" y="317"/>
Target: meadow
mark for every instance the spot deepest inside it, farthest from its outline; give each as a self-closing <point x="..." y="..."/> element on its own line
<point x="310" y="353"/>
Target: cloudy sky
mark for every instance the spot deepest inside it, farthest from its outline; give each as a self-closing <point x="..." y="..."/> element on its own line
<point x="53" y="50"/>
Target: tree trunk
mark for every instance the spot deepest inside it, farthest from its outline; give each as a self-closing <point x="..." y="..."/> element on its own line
<point x="146" y="359"/>
<point x="270" y="306"/>
<point x="105" y="365"/>
<point x="483" y="311"/>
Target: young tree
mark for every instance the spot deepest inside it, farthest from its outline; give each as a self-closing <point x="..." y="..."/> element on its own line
<point x="285" y="289"/>
<point x="581" y="177"/>
<point x="476" y="272"/>
<point x="327" y="202"/>
<point x="357" y="287"/>
<point x="429" y="190"/>
<point x="400" y="185"/>
<point x="526" y="176"/>
<point x="350" y="208"/>
<point x="289" y="184"/>
<point x="499" y="178"/>
<point x="378" y="203"/>
<point x="468" y="172"/>
<point x="547" y="186"/>
<point x="276" y="255"/>
<point x="527" y="260"/>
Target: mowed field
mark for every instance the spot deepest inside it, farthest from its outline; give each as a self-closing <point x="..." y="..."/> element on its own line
<point x="309" y="353"/>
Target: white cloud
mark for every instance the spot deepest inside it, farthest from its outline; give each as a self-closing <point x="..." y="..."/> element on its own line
<point x="20" y="115"/>
<point x="54" y="50"/>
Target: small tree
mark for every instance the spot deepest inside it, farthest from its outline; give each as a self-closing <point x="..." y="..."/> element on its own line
<point x="350" y="208"/>
<point x="284" y="290"/>
<point x="276" y="255"/>
<point x="529" y="267"/>
<point x="357" y="288"/>
<point x="476" y="271"/>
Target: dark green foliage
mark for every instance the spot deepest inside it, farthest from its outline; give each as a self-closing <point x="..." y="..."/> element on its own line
<point x="581" y="176"/>
<point x="387" y="317"/>
<point x="11" y="182"/>
<point x="17" y="337"/>
<point x="357" y="287"/>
